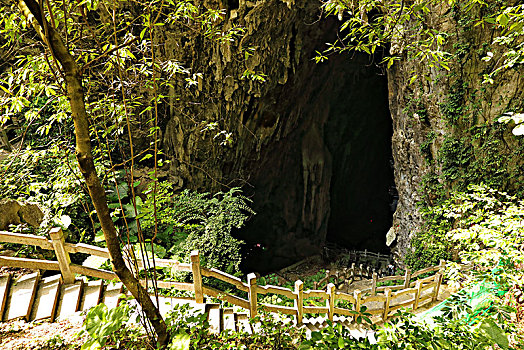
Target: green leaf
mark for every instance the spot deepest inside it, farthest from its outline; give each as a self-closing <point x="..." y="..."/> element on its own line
<point x="180" y="342"/>
<point x="503" y="19"/>
<point x="99" y="236"/>
<point x="495" y="333"/>
<point x="341" y="342"/>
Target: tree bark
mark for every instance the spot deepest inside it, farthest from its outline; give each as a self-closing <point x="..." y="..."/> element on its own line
<point x="73" y="78"/>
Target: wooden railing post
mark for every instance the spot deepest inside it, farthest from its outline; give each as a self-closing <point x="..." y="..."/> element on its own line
<point x="407" y="278"/>
<point x="418" y="286"/>
<point x="299" y="301"/>
<point x="357" y="294"/>
<point x="64" y="261"/>
<point x="374" y="284"/>
<point x="252" y="283"/>
<point x="197" y="277"/>
<point x="386" y="304"/>
<point x="331" y="301"/>
<point x="438" y="278"/>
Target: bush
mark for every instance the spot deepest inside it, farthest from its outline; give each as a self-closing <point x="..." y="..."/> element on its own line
<point x="190" y="220"/>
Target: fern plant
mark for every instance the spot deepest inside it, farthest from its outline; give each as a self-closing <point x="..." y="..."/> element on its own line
<point x="202" y="221"/>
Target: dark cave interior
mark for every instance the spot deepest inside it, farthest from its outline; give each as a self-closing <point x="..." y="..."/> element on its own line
<point x="329" y="177"/>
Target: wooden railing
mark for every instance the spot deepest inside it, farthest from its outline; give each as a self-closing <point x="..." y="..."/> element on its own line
<point x="379" y="300"/>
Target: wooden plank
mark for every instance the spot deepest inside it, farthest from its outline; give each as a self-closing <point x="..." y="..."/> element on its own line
<point x="35" y="264"/>
<point x="5" y="283"/>
<point x="315" y="294"/>
<point x="288" y="310"/>
<point x="252" y="294"/>
<point x="70" y="299"/>
<point x="58" y="240"/>
<point x="423" y="280"/>
<point x="390" y="278"/>
<point x="426" y="270"/>
<point x="87" y="249"/>
<point x="403" y="292"/>
<point x="407" y="278"/>
<point x="386" y="305"/>
<point x="21" y="297"/>
<point x="23" y="238"/>
<point x="237" y="282"/>
<point x="226" y="297"/>
<point x="92" y="272"/>
<point x="383" y="288"/>
<point x="345" y="296"/>
<point x="46" y="298"/>
<point x="92" y="294"/>
<point x="172" y="285"/>
<point x="277" y="290"/>
<point x="315" y="310"/>
<point x="299" y="301"/>
<point x="111" y="294"/>
<point x="374" y="298"/>
<point x="330" y="303"/>
<point x="342" y="311"/>
<point x="161" y="263"/>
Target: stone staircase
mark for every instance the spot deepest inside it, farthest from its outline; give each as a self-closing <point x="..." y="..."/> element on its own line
<point x="33" y="297"/>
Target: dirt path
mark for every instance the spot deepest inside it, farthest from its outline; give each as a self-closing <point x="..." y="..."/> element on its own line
<point x="21" y="335"/>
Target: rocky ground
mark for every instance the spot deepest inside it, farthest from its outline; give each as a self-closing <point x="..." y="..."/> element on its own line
<point x="21" y="335"/>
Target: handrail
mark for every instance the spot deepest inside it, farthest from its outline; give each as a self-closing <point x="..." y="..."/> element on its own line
<point x="424" y="290"/>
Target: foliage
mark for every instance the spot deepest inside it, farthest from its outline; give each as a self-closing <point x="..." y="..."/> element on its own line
<point x="191" y="220"/>
<point x="453" y="328"/>
<point x="480" y="225"/>
<point x="409" y="29"/>
<point x="49" y="178"/>
<point x="191" y="331"/>
<point x="102" y="323"/>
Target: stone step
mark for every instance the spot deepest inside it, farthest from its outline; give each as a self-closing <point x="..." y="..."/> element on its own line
<point x="70" y="299"/>
<point x="46" y="298"/>
<point x="21" y="297"/>
<point x="243" y="323"/>
<point x="215" y="317"/>
<point x="92" y="294"/>
<point x="5" y="283"/>
<point x="230" y="319"/>
<point x="112" y="293"/>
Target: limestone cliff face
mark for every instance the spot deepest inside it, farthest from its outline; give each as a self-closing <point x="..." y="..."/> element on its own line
<point x="309" y="133"/>
<point x="446" y="134"/>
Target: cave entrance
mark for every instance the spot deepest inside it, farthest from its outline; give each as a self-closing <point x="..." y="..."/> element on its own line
<point x="327" y="174"/>
<point x="358" y="135"/>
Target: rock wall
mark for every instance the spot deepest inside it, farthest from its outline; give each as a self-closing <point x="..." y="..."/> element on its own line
<point x="309" y="133"/>
<point x="446" y="134"/>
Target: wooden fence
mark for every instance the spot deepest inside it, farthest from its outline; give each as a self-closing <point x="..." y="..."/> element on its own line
<point x="381" y="300"/>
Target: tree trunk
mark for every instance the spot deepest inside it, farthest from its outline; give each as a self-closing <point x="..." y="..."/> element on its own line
<point x="73" y="78"/>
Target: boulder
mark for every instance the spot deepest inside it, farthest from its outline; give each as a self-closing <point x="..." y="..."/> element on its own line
<point x="9" y="213"/>
<point x="31" y="214"/>
<point x="14" y="213"/>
